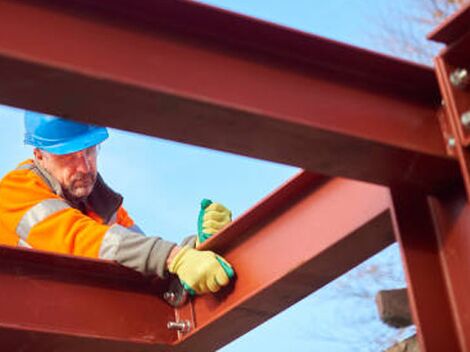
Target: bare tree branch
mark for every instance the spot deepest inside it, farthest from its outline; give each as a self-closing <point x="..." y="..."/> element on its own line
<point x="402" y="31"/>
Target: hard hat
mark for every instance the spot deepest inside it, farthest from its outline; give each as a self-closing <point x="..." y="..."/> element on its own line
<point x="60" y="136"/>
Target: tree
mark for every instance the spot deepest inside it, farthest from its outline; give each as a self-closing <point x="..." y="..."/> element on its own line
<point x="404" y="24"/>
<point x="351" y="322"/>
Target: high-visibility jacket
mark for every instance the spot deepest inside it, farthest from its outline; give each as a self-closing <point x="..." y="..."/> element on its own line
<point x="34" y="213"/>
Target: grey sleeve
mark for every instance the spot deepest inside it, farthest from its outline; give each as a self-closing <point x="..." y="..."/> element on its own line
<point x="147" y="255"/>
<point x="136" y="228"/>
<point x="189" y="241"/>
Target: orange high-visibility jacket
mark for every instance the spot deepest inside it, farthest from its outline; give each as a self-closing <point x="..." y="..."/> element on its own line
<point x="34" y="214"/>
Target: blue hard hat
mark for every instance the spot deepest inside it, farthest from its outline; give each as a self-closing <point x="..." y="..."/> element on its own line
<point x="60" y="136"/>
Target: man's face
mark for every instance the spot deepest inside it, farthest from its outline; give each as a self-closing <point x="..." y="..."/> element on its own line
<point x="76" y="172"/>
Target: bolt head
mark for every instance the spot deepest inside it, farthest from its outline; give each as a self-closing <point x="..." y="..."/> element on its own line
<point x="459" y="78"/>
<point x="451" y="142"/>
<point x="465" y="119"/>
<point x="183" y="325"/>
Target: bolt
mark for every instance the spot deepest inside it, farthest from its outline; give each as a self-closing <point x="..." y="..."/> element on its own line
<point x="451" y="142"/>
<point x="169" y="296"/>
<point x="183" y="326"/>
<point x="459" y="78"/>
<point x="465" y="119"/>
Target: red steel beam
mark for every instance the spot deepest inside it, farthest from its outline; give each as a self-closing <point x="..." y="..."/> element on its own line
<point x="454" y="28"/>
<point x="422" y="258"/>
<point x="433" y="231"/>
<point x="63" y="303"/>
<point x="433" y="236"/>
<point x="195" y="74"/>
<point x="302" y="237"/>
<point x="456" y="56"/>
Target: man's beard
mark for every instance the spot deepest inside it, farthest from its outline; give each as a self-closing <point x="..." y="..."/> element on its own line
<point x="75" y="192"/>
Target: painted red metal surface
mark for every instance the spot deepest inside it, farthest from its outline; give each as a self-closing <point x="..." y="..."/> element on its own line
<point x="60" y="303"/>
<point x="452" y="216"/>
<point x="433" y="231"/>
<point x="72" y="303"/>
<point x="456" y="103"/>
<point x="426" y="281"/>
<point x="456" y="56"/>
<point x="304" y="236"/>
<point x="191" y="73"/>
<point x="433" y="235"/>
<point x="187" y="72"/>
<point x="454" y="28"/>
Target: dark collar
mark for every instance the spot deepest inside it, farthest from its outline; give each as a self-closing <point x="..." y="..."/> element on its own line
<point x="102" y="199"/>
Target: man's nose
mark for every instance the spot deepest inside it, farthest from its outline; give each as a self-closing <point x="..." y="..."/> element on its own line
<point x="83" y="163"/>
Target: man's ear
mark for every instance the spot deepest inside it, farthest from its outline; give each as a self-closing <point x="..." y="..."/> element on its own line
<point x="38" y="154"/>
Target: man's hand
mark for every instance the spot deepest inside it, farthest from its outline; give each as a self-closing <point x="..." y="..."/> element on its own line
<point x="212" y="218"/>
<point x="200" y="271"/>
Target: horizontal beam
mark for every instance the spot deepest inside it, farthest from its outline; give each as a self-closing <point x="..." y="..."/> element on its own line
<point x="63" y="303"/>
<point x="327" y="226"/>
<point x="187" y="72"/>
<point x="299" y="239"/>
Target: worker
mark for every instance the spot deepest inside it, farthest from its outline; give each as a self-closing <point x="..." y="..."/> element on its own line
<point x="59" y="202"/>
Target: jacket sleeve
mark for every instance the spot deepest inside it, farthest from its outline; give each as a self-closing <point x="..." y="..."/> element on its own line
<point x="45" y="221"/>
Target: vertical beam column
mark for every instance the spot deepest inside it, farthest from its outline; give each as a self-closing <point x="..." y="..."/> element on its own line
<point x="435" y="248"/>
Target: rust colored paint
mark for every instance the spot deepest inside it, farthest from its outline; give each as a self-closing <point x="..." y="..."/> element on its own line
<point x="452" y="211"/>
<point x="67" y="301"/>
<point x="290" y="246"/>
<point x="47" y="293"/>
<point x="452" y="216"/>
<point x="456" y="34"/>
<point x="455" y="27"/>
<point x="274" y="94"/>
<point x="457" y="102"/>
<point x="427" y="288"/>
<point x="191" y="73"/>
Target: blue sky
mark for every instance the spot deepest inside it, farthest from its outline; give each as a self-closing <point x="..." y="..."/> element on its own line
<point x="163" y="183"/>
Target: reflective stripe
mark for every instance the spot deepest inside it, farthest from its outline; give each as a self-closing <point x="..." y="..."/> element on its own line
<point x="25" y="167"/>
<point x="113" y="219"/>
<point x="23" y="243"/>
<point x="37" y="214"/>
<point x="111" y="240"/>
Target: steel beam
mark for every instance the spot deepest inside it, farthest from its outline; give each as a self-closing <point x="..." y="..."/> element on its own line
<point x="454" y="28"/>
<point x="433" y="237"/>
<point x="427" y="287"/>
<point x="302" y="237"/>
<point x="453" y="72"/>
<point x="433" y="231"/>
<point x="63" y="303"/>
<point x="296" y="240"/>
<point x="195" y="74"/>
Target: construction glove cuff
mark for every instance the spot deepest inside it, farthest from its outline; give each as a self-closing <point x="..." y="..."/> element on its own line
<point x="200" y="271"/>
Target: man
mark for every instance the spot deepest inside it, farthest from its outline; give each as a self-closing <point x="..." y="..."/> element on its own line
<point x="59" y="202"/>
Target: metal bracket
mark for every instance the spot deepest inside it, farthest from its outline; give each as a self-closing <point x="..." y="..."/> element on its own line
<point x="455" y="115"/>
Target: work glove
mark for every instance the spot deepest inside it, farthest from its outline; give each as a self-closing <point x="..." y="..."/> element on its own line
<point x="200" y="271"/>
<point x="212" y="218"/>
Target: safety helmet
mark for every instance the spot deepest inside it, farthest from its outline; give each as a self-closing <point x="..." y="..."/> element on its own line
<point x="60" y="136"/>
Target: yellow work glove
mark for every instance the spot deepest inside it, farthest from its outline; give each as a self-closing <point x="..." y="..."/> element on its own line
<point x="200" y="271"/>
<point x="212" y="218"/>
